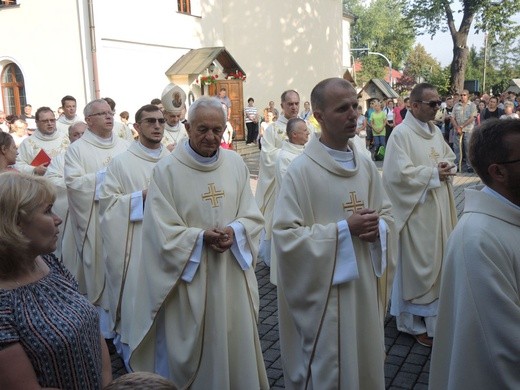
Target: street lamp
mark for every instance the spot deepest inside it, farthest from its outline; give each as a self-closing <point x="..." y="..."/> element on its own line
<point x="389" y="65"/>
<point x="367" y="50"/>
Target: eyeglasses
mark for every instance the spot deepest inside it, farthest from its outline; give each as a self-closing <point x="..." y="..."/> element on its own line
<point x="508" y="162"/>
<point x="431" y="103"/>
<point x="152" y="121"/>
<point x="47" y="120"/>
<point x="104" y="113"/>
<point x="463" y="94"/>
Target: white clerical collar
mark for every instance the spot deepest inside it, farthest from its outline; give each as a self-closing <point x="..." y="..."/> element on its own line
<point x="175" y="128"/>
<point x="155" y="153"/>
<point x="198" y="157"/>
<point x="345" y="158"/>
<point x="46" y="137"/>
<point x="104" y="141"/>
<point x="423" y="125"/>
<point x="498" y="196"/>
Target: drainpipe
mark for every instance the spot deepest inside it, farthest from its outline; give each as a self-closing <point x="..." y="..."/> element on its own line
<point x="92" y="31"/>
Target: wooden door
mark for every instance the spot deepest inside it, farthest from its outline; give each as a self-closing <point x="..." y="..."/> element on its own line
<point x="235" y="93"/>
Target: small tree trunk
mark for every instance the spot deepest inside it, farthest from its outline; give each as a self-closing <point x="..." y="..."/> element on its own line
<point x="460" y="61"/>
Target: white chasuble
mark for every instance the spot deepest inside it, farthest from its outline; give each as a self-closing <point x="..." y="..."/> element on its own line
<point x="207" y="326"/>
<point x="331" y="334"/>
<point x="54" y="144"/>
<point x="84" y="160"/>
<point x="66" y="249"/>
<point x="287" y="154"/>
<point x="425" y="213"/>
<point x="477" y="340"/>
<point x="120" y="212"/>
<point x="173" y="135"/>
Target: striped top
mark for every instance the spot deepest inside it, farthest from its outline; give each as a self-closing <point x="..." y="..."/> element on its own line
<point x="57" y="327"/>
<point x="250" y="113"/>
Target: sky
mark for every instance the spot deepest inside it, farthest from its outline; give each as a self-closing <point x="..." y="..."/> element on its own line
<point x="441" y="47"/>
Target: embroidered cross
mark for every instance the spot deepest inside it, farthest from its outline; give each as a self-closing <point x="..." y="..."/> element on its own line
<point x="434" y="155"/>
<point x="213" y="195"/>
<point x="354" y="204"/>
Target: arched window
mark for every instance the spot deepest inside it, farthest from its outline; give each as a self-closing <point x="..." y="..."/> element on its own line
<point x="13" y="89"/>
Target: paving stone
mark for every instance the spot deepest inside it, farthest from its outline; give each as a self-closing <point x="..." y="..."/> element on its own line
<point x="423" y="378"/>
<point x="391" y="370"/>
<point x="411" y="368"/>
<point x="405" y="380"/>
<point x="271" y="355"/>
<point x="416" y="359"/>
<point x="420" y="386"/>
<point x="395" y="360"/>
<point x="399" y="350"/>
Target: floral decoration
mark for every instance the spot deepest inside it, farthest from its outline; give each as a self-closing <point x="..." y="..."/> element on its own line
<point x="236" y="75"/>
<point x="208" y="80"/>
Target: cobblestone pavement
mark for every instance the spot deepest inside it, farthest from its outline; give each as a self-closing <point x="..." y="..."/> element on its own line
<point x="407" y="363"/>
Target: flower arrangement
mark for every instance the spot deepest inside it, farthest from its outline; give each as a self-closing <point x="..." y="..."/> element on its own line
<point x="208" y="80"/>
<point x="236" y="75"/>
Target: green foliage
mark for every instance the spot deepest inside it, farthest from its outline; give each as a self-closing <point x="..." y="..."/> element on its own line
<point x="382" y="27"/>
<point x="432" y="16"/>
<point x="373" y="68"/>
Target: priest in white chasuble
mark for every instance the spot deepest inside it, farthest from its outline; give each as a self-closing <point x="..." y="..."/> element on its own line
<point x="45" y="139"/>
<point x="86" y="162"/>
<point x="298" y="135"/>
<point x="66" y="247"/>
<point x="417" y="175"/>
<point x="121" y="208"/>
<point x="198" y="296"/>
<point x="332" y="235"/>
<point x="271" y="142"/>
<point x="477" y="340"/>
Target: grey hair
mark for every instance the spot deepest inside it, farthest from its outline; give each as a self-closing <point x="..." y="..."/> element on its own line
<point x="88" y="108"/>
<point x="205" y="102"/>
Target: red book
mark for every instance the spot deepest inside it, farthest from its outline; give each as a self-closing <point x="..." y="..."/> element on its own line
<point x="41" y="158"/>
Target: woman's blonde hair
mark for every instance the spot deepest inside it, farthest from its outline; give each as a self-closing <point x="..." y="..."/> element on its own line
<point x="20" y="196"/>
<point x="141" y="381"/>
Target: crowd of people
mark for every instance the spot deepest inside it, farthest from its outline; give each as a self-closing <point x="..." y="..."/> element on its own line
<point x="149" y="235"/>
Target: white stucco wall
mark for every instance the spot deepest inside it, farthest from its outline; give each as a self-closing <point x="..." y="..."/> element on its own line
<point x="45" y="41"/>
<point x="284" y="45"/>
<point x="280" y="45"/>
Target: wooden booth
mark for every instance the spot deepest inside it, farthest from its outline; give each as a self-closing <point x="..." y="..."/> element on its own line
<point x="213" y="68"/>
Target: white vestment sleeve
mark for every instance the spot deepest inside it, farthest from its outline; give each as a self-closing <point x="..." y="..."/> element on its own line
<point x="435" y="182"/>
<point x="378" y="249"/>
<point x="194" y="261"/>
<point x="346" y="263"/>
<point x="136" y="206"/>
<point x="240" y="247"/>
<point x="100" y="178"/>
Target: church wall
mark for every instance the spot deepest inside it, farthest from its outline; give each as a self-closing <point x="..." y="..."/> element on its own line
<point x="135" y="48"/>
<point x="279" y="45"/>
<point x="44" y="40"/>
<point x="284" y="45"/>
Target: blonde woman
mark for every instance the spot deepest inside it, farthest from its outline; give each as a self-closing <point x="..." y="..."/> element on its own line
<point x="49" y="333"/>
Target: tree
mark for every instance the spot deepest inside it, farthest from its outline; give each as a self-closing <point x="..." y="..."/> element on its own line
<point x="382" y="27"/>
<point x="420" y="66"/>
<point x="431" y="16"/>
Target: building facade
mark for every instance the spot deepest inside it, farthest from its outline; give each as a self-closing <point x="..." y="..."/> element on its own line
<point x="122" y="48"/>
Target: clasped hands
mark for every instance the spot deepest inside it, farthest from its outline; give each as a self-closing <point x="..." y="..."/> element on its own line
<point x="445" y="172"/>
<point x="220" y="240"/>
<point x="364" y="224"/>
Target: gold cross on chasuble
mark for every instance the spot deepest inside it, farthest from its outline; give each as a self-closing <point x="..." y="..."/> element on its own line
<point x="434" y="156"/>
<point x="354" y="204"/>
<point x="213" y="195"/>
